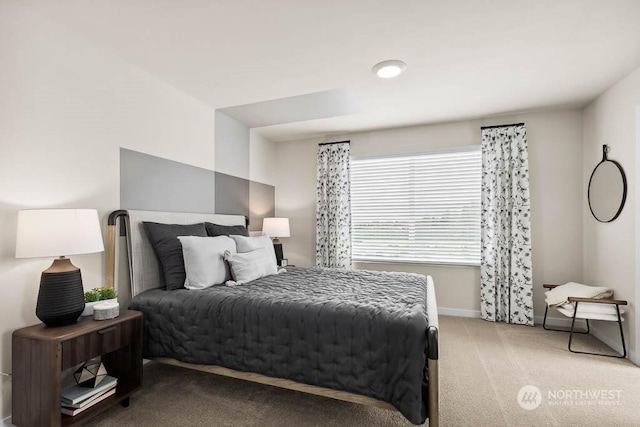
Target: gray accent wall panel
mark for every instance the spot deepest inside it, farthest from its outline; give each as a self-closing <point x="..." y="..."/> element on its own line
<point x="232" y="195"/>
<point x="262" y="203"/>
<point x="156" y="184"/>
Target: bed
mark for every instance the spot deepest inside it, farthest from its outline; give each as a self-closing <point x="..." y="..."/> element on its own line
<point x="361" y="336"/>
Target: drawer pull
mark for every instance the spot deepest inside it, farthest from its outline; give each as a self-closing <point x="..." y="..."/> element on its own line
<point x="107" y="330"/>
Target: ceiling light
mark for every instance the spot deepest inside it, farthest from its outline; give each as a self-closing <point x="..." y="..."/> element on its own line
<point x="389" y="69"/>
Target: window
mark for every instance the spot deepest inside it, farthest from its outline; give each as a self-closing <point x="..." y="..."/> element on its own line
<point x="417" y="208"/>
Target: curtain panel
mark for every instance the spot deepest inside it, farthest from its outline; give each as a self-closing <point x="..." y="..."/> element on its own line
<point x="333" y="207"/>
<point x="506" y="288"/>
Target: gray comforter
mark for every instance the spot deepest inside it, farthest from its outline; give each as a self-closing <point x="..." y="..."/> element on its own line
<point x="357" y="331"/>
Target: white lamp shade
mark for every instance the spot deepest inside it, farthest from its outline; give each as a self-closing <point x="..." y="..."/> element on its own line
<point x="58" y="232"/>
<point x="276" y="227"/>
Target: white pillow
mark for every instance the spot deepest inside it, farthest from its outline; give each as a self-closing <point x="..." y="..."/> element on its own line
<point x="204" y="261"/>
<point x="248" y="244"/>
<point x="249" y="266"/>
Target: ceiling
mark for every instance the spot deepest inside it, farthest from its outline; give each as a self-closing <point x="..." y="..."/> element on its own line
<point x="466" y="58"/>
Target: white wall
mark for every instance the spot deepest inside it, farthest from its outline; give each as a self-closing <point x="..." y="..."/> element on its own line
<point x="610" y="253"/>
<point x="262" y="159"/>
<point x="66" y="107"/>
<point x="296" y="198"/>
<point x="232" y="146"/>
<point x="555" y="162"/>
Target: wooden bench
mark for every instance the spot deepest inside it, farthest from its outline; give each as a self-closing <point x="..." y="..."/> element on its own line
<point x="575" y="315"/>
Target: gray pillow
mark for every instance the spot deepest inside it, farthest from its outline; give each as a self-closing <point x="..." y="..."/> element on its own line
<point x="164" y="239"/>
<point x="225" y="230"/>
<point x="204" y="262"/>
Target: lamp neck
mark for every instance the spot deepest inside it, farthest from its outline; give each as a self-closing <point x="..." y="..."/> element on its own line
<point x="276" y="241"/>
<point x="61" y="265"/>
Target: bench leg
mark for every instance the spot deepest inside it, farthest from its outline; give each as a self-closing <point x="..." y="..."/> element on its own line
<point x="624" y="348"/>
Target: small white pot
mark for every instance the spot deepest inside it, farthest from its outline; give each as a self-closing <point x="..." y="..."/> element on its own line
<point x="88" y="306"/>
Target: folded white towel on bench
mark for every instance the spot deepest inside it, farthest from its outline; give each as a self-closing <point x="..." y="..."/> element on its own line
<point x="591" y="310"/>
<point x="560" y="294"/>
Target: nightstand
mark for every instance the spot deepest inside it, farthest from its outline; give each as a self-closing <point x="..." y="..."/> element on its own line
<point x="41" y="353"/>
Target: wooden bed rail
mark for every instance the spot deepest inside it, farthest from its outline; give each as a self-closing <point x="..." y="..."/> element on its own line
<point x="111" y="245"/>
<point x="433" y="378"/>
<point x="281" y="382"/>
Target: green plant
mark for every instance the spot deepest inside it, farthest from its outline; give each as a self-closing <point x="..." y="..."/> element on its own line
<point x="107" y="293"/>
<point x="99" y="294"/>
<point x="92" y="295"/>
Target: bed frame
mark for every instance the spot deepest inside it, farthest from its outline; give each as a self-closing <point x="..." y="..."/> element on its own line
<point x="138" y="250"/>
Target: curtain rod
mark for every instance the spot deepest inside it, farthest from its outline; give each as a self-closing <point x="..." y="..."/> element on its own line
<point x="337" y="142"/>
<point x="501" y="126"/>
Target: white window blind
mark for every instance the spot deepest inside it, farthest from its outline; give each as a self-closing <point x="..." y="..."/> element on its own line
<point x="417" y="208"/>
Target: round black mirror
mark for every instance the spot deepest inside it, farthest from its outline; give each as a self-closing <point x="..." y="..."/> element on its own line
<point x="607" y="189"/>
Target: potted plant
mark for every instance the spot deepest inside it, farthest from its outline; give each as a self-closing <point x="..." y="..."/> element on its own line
<point x="97" y="296"/>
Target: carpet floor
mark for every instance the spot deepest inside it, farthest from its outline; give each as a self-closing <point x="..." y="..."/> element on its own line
<point x="483" y="366"/>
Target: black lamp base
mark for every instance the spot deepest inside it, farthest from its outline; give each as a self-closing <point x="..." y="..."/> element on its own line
<point x="277" y="246"/>
<point x="61" y="296"/>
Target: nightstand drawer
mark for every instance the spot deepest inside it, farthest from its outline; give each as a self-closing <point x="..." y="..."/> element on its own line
<point x="95" y="343"/>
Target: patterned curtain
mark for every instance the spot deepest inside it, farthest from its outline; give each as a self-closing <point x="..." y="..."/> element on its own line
<point x="333" y="209"/>
<point x="506" y="288"/>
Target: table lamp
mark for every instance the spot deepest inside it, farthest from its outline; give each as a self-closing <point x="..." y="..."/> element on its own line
<point x="57" y="233"/>
<point x="274" y="228"/>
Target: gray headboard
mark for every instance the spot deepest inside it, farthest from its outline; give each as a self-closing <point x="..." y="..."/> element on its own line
<point x="144" y="268"/>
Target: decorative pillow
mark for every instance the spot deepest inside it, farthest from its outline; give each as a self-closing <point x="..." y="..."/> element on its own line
<point x="248" y="244"/>
<point x="164" y="239"/>
<point x="204" y="262"/>
<point x="249" y="266"/>
<point x="225" y="230"/>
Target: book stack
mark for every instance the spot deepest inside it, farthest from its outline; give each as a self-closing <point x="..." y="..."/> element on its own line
<point x="75" y="399"/>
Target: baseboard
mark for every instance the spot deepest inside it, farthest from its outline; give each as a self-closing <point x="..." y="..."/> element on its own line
<point x="458" y="312"/>
<point x="558" y="322"/>
<point x="555" y="322"/>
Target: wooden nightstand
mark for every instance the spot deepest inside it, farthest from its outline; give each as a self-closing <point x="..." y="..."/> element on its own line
<point x="41" y="353"/>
